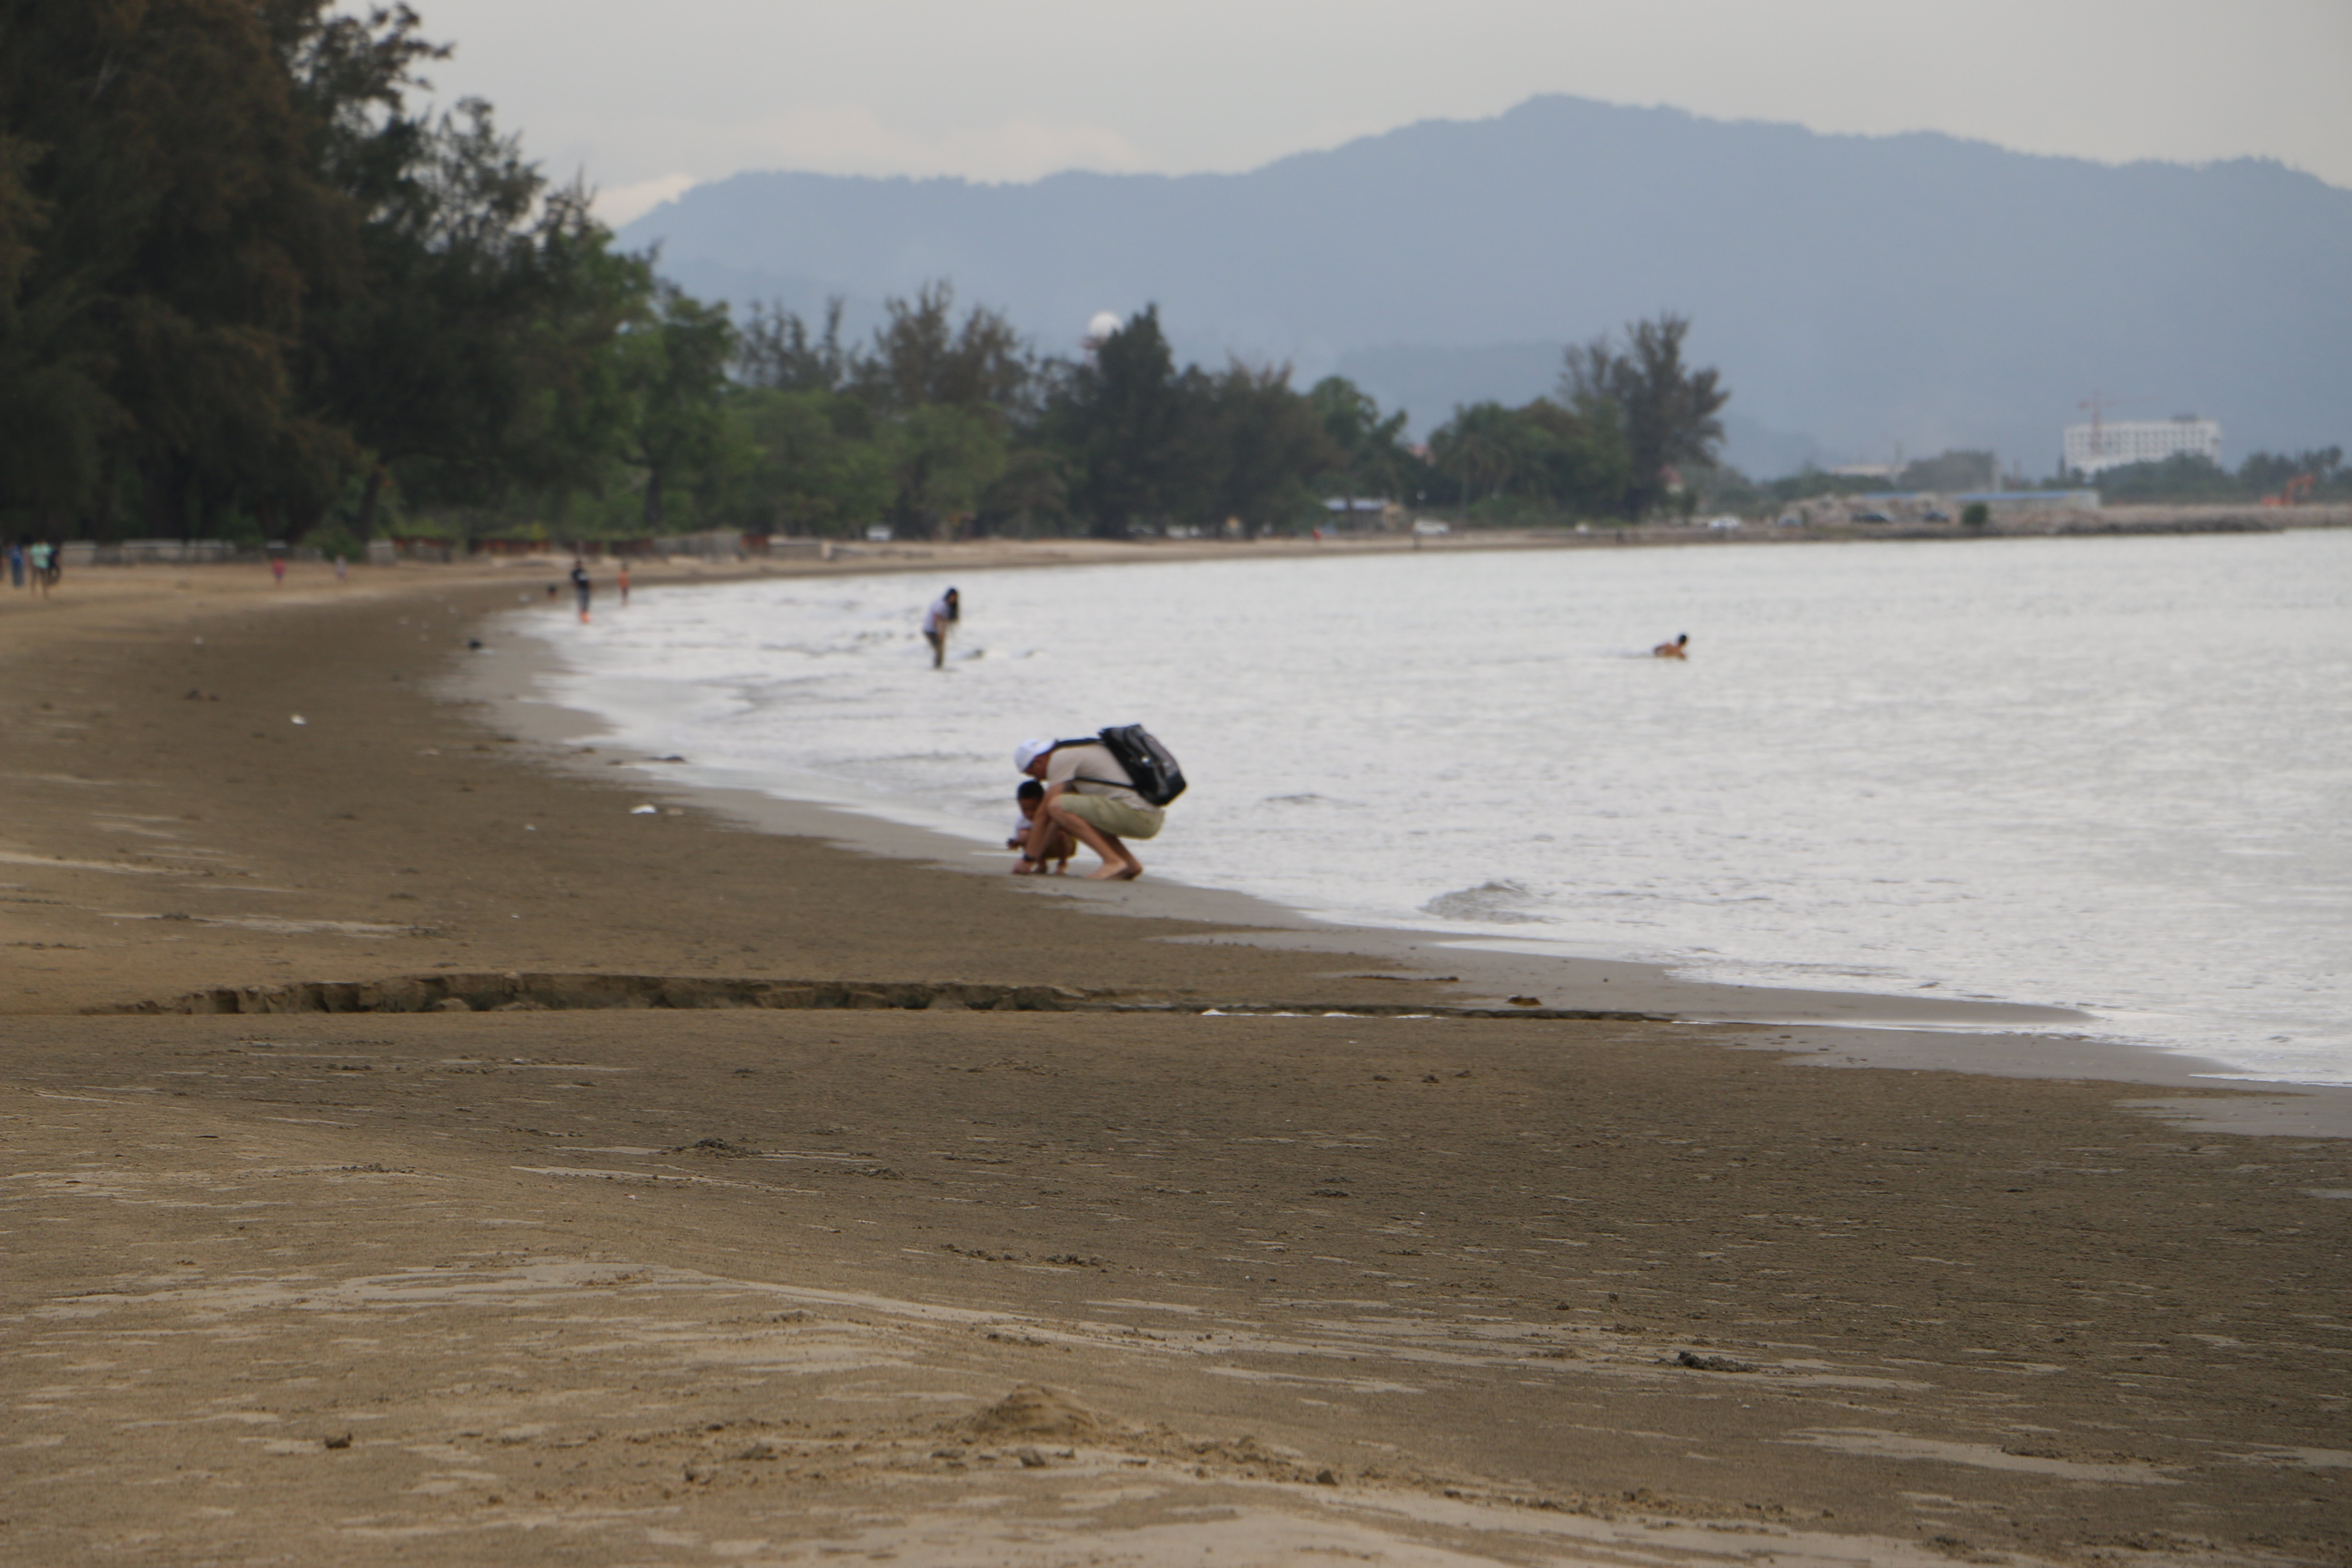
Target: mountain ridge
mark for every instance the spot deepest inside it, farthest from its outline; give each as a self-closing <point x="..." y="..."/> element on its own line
<point x="1856" y="291"/>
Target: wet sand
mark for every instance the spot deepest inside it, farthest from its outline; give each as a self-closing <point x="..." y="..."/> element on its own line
<point x="688" y="1284"/>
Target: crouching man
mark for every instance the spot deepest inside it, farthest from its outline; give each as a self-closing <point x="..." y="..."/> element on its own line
<point x="1090" y="796"/>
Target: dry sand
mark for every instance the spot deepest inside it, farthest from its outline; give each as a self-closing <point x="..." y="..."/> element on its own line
<point x="741" y="1285"/>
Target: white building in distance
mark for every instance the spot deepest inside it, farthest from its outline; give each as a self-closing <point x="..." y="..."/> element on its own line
<point x="2091" y="448"/>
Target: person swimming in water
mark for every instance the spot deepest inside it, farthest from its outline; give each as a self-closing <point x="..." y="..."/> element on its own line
<point x="1678" y="649"/>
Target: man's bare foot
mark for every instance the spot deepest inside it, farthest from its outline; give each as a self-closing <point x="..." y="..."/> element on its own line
<point x="1117" y="871"/>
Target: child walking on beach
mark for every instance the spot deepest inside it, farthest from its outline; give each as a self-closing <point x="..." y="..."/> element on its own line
<point x="1028" y="800"/>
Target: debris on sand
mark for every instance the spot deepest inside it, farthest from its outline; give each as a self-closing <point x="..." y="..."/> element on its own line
<point x="1033" y="1410"/>
<point x="719" y="1146"/>
<point x="1710" y="1362"/>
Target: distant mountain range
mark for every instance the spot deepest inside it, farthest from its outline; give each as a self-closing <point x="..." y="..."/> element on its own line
<point x="1856" y="292"/>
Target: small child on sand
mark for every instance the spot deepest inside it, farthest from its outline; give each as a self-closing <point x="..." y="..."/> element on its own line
<point x="1028" y="799"/>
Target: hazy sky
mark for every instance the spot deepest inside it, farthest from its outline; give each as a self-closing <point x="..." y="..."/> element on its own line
<point x="649" y="99"/>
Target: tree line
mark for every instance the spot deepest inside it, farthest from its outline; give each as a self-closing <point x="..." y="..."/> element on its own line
<point x="250" y="289"/>
<point x="2186" y="479"/>
<point x="943" y="424"/>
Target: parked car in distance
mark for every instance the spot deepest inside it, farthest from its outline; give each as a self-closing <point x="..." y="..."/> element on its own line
<point x="1723" y="524"/>
<point x="877" y="533"/>
<point x="1428" y="528"/>
<point x="1791" y="521"/>
<point x="1873" y="517"/>
<point x="1934" y="516"/>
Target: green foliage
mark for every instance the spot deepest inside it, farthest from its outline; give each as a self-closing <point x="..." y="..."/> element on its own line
<point x="332" y="539"/>
<point x="1372" y="458"/>
<point x="248" y="292"/>
<point x="673" y="372"/>
<point x="237" y="275"/>
<point x="1666" y="412"/>
<point x="806" y="475"/>
<point x="164" y="228"/>
<point x="776" y="351"/>
<point x="1130" y="428"/>
<point x="2268" y="473"/>
<point x="2185" y="479"/>
<point x="1952" y="470"/>
<point x="1265" y="442"/>
<point x="1031" y="497"/>
<point x="1137" y="445"/>
<point x="944" y="456"/>
<point x="1976" y="514"/>
<point x="920" y="357"/>
<point x="472" y="365"/>
<point x="1559" y="463"/>
<point x="1812" y="483"/>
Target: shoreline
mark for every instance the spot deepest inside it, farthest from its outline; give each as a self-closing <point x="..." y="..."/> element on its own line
<point x="576" y="1284"/>
<point x="1965" y="1034"/>
<point x="1897" y="1030"/>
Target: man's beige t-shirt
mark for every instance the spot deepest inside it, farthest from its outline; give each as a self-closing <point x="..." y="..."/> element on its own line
<point x="1091" y="769"/>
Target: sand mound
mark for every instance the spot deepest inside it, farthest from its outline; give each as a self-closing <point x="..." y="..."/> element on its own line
<point x="1034" y="1411"/>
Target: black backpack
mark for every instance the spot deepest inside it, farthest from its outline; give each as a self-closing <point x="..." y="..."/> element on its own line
<point x="1159" y="778"/>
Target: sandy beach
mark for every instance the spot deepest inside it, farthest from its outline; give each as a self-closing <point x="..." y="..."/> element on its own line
<point x="698" y="1187"/>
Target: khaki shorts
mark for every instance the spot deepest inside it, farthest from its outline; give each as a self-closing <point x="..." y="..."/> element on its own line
<point x="1113" y="816"/>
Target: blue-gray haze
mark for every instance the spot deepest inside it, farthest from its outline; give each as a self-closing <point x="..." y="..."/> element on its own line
<point x="1855" y="291"/>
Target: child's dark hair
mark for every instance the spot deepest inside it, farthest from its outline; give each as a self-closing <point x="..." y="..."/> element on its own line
<point x="1030" y="790"/>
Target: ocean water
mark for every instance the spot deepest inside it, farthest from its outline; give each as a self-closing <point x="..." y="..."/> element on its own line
<point x="2111" y="773"/>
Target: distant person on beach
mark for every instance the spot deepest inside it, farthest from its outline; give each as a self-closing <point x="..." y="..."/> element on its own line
<point x="1092" y="797"/>
<point x="342" y="568"/>
<point x="945" y="612"/>
<point x="624" y="583"/>
<point x="277" y="569"/>
<point x="1678" y="649"/>
<point x="1029" y="800"/>
<point x="580" y="587"/>
<point x="44" y="559"/>
<point x="16" y="565"/>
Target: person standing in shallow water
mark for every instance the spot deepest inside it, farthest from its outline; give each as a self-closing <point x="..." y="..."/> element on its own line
<point x="581" y="587"/>
<point x="945" y="612"/>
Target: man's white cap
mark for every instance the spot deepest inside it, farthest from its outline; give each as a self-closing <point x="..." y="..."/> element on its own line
<point x="1028" y="751"/>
